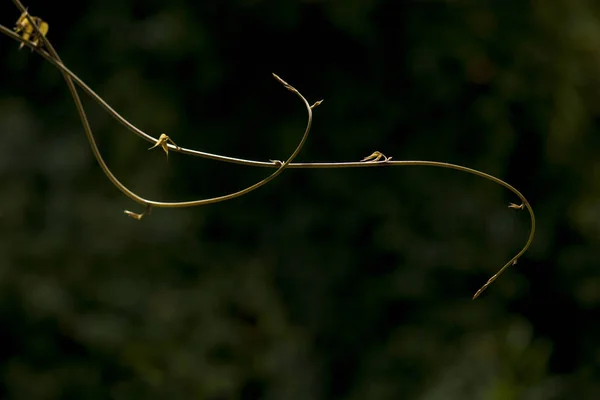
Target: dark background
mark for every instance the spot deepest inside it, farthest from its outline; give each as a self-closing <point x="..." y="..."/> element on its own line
<point x="324" y="284"/>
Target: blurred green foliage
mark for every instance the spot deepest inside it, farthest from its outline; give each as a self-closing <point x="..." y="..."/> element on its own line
<point x="338" y="284"/>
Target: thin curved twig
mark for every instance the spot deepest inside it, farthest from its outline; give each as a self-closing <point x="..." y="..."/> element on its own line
<point x="371" y="161"/>
<point x="52" y="55"/>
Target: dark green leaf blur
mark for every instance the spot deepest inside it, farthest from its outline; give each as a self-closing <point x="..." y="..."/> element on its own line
<point x="348" y="284"/>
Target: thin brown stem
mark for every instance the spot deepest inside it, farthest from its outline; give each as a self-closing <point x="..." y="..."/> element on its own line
<point x="52" y="57"/>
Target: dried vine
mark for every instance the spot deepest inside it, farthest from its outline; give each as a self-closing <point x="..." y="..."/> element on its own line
<point x="31" y="32"/>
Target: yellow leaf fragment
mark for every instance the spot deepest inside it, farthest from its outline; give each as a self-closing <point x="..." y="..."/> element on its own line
<point x="27" y="31"/>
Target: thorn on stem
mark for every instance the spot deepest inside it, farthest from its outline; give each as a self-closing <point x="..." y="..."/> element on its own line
<point x="317" y="103"/>
<point x="375" y="157"/>
<point x="141" y="215"/>
<point x="163" y="141"/>
<point x="517" y="207"/>
<point x="134" y="215"/>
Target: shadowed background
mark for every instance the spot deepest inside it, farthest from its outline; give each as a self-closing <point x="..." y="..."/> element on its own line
<point x="324" y="284"/>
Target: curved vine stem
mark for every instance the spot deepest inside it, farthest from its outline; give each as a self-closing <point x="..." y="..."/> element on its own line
<point x="374" y="160"/>
<point x="53" y="57"/>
